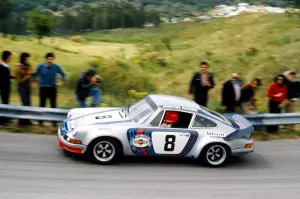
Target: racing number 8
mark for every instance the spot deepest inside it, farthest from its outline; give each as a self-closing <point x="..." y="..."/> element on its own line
<point x="170" y="143"/>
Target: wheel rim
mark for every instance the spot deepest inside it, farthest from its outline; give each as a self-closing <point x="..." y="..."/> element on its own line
<point x="216" y="155"/>
<point x="104" y="151"/>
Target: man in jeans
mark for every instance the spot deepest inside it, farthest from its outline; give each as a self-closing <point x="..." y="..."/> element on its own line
<point x="47" y="73"/>
<point x="85" y="88"/>
<point x="23" y="76"/>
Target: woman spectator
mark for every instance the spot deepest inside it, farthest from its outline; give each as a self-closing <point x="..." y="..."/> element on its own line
<point x="277" y="93"/>
<point x="23" y="77"/>
<point x="248" y="97"/>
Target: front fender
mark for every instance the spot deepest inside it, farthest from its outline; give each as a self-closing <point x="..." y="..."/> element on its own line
<point x="116" y="133"/>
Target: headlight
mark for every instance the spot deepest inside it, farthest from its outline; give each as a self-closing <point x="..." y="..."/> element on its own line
<point x="71" y="125"/>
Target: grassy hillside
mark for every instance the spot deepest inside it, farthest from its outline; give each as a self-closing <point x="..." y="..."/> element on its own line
<point x="255" y="45"/>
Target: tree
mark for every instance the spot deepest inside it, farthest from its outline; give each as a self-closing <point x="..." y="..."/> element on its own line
<point x="41" y="24"/>
<point x="5" y="10"/>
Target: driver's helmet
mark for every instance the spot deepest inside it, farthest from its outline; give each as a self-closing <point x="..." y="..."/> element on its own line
<point x="171" y="117"/>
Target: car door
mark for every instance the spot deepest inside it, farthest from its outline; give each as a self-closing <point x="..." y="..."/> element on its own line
<point x="177" y="140"/>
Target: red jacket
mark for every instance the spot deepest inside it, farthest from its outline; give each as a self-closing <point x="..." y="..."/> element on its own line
<point x="275" y="89"/>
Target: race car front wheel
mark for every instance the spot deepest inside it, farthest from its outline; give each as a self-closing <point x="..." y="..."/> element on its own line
<point x="215" y="154"/>
<point x="105" y="151"/>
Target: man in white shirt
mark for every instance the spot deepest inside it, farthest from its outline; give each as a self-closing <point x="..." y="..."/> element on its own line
<point x="231" y="93"/>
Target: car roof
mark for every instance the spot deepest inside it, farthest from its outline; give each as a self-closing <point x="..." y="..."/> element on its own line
<point x="168" y="101"/>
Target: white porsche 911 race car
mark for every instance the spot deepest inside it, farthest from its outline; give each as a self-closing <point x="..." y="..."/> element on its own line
<point x="157" y="125"/>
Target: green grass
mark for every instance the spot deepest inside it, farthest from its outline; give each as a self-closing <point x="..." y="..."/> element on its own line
<point x="255" y="45"/>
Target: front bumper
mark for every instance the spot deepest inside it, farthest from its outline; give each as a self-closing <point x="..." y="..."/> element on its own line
<point x="63" y="143"/>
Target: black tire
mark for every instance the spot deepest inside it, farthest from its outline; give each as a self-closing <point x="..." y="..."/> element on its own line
<point x="222" y="150"/>
<point x="109" y="146"/>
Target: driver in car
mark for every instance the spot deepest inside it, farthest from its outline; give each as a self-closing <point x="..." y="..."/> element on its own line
<point x="170" y="119"/>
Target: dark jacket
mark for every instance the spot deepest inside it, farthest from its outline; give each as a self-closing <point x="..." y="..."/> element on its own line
<point x="293" y="89"/>
<point x="83" y="87"/>
<point x="200" y="91"/>
<point x="247" y="93"/>
<point x="5" y="77"/>
<point x="228" y="95"/>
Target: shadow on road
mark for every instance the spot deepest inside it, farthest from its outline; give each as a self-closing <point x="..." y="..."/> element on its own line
<point x="253" y="161"/>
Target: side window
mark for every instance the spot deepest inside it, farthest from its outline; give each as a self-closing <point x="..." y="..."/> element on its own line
<point x="157" y="119"/>
<point x="203" y="122"/>
<point x="176" y="119"/>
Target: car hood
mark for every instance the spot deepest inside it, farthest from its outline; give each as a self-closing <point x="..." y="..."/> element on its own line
<point x="105" y="116"/>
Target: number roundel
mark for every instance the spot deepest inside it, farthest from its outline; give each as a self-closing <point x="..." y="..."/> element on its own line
<point x="170" y="143"/>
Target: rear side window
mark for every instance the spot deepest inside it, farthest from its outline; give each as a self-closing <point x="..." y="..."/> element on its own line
<point x="203" y="122"/>
<point x="157" y="119"/>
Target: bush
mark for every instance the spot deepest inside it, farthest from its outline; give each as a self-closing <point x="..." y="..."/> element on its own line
<point x="209" y="53"/>
<point x="167" y="42"/>
<point x="153" y="59"/>
<point x="13" y="37"/>
<point x="72" y="81"/>
<point x="64" y="50"/>
<point x="78" y="39"/>
<point x="251" y="52"/>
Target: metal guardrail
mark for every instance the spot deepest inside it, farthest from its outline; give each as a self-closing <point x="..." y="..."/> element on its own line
<point x="33" y="113"/>
<point x="59" y="115"/>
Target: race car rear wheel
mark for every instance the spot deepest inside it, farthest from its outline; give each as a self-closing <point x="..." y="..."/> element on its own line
<point x="105" y="151"/>
<point x="215" y="154"/>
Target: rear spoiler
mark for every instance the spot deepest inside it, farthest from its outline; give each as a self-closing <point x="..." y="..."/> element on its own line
<point x="242" y="125"/>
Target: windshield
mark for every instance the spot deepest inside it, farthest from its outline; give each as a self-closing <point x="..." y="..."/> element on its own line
<point x="141" y="111"/>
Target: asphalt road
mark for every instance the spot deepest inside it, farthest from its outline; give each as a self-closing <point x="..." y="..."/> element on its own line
<point x="31" y="166"/>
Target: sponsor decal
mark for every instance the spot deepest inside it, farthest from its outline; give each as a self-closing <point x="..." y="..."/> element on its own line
<point x="215" y="134"/>
<point x="180" y="107"/>
<point x="105" y="129"/>
<point x="141" y="141"/>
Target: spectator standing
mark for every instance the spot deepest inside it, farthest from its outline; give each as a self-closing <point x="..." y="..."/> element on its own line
<point x="85" y="88"/>
<point x="231" y="93"/>
<point x="248" y="98"/>
<point x="47" y="73"/>
<point x="5" y="84"/>
<point x="23" y="75"/>
<point x="293" y="93"/>
<point x="200" y="84"/>
<point x="277" y="93"/>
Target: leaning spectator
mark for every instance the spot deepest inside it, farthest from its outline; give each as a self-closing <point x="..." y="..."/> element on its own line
<point x="231" y="93"/>
<point x="47" y="73"/>
<point x="5" y="84"/>
<point x="85" y="88"/>
<point x="248" y="98"/>
<point x="200" y="84"/>
<point x="23" y="76"/>
<point x="277" y="92"/>
<point x="293" y="93"/>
